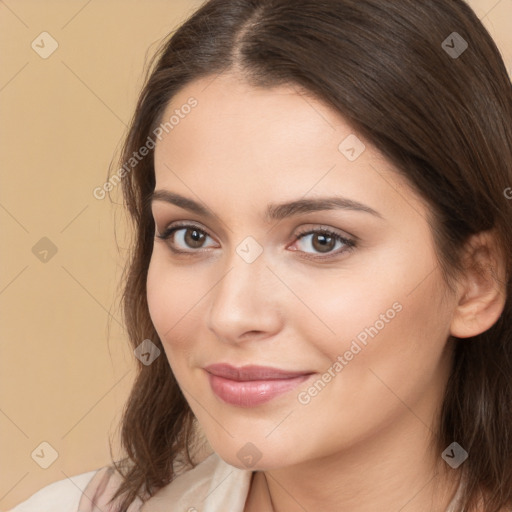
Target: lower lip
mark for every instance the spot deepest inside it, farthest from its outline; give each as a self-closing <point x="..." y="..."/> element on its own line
<point x="252" y="392"/>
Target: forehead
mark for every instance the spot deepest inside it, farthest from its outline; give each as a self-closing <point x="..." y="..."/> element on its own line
<point x="233" y="122"/>
<point x="268" y="122"/>
<point x="238" y="142"/>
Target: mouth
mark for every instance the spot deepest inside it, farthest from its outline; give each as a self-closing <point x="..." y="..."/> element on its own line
<point x="249" y="386"/>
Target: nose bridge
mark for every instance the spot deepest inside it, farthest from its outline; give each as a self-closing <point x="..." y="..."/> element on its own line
<point x="242" y="300"/>
<point x="247" y="274"/>
<point x="244" y="284"/>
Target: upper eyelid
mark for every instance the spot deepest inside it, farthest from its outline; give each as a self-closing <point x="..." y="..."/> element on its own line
<point x="349" y="240"/>
<point x="185" y="225"/>
<point x="350" y="243"/>
<point x="303" y="232"/>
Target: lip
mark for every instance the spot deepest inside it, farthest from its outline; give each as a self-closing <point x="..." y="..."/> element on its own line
<point x="251" y="372"/>
<point x="252" y="385"/>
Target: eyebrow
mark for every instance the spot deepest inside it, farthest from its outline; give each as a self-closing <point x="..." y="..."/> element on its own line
<point x="274" y="211"/>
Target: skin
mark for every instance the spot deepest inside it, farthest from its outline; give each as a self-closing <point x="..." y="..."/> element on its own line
<point x="362" y="443"/>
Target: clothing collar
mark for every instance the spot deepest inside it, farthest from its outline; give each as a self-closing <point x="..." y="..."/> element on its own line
<point x="211" y="486"/>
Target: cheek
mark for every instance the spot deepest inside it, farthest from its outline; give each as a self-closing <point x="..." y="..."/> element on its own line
<point x="391" y="343"/>
<point x="352" y="304"/>
<point x="388" y="312"/>
<point x="378" y="363"/>
<point x="161" y="296"/>
<point x="173" y="296"/>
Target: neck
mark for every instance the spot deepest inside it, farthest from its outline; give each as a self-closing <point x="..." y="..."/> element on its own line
<point x="394" y="470"/>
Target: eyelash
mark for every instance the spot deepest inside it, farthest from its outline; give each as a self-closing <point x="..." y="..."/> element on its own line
<point x="349" y="244"/>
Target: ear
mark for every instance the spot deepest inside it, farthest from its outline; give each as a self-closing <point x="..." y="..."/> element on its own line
<point x="482" y="289"/>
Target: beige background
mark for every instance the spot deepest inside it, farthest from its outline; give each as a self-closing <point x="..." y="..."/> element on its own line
<point x="63" y="375"/>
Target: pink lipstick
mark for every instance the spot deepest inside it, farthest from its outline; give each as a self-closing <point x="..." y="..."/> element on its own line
<point x="251" y="385"/>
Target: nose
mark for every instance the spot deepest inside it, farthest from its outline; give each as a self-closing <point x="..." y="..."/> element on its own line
<point x="244" y="304"/>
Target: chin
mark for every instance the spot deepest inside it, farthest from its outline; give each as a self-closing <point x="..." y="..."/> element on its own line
<point x="248" y="457"/>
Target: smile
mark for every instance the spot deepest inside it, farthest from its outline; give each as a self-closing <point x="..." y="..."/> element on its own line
<point x="250" y="386"/>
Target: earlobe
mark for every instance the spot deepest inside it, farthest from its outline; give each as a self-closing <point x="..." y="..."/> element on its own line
<point x="482" y="291"/>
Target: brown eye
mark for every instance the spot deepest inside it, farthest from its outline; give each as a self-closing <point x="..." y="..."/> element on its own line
<point x="185" y="238"/>
<point x="322" y="241"/>
<point x="194" y="238"/>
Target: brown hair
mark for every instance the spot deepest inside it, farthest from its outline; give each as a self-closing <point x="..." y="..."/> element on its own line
<point x="443" y="120"/>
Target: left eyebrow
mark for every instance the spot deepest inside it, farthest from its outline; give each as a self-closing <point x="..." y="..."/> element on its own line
<point x="274" y="211"/>
<point x="283" y="210"/>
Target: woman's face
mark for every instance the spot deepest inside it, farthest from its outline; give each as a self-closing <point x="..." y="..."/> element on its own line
<point x="260" y="277"/>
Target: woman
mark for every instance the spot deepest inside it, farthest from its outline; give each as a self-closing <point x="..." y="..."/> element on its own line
<point x="321" y="271"/>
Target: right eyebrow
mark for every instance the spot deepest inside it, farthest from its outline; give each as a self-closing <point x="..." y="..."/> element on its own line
<point x="274" y="211"/>
<point x="181" y="201"/>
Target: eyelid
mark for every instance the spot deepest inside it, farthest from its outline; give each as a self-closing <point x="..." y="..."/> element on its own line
<point x="177" y="226"/>
<point x="184" y="224"/>
<point x="349" y="241"/>
<point x="314" y="228"/>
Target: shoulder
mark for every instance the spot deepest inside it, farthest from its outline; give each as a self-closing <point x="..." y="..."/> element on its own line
<point x="212" y="485"/>
<point x="61" y="496"/>
<point x="87" y="492"/>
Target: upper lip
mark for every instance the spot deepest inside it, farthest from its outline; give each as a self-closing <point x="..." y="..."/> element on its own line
<point x="251" y="372"/>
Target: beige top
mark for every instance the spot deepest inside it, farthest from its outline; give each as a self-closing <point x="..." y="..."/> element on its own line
<point x="212" y="486"/>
